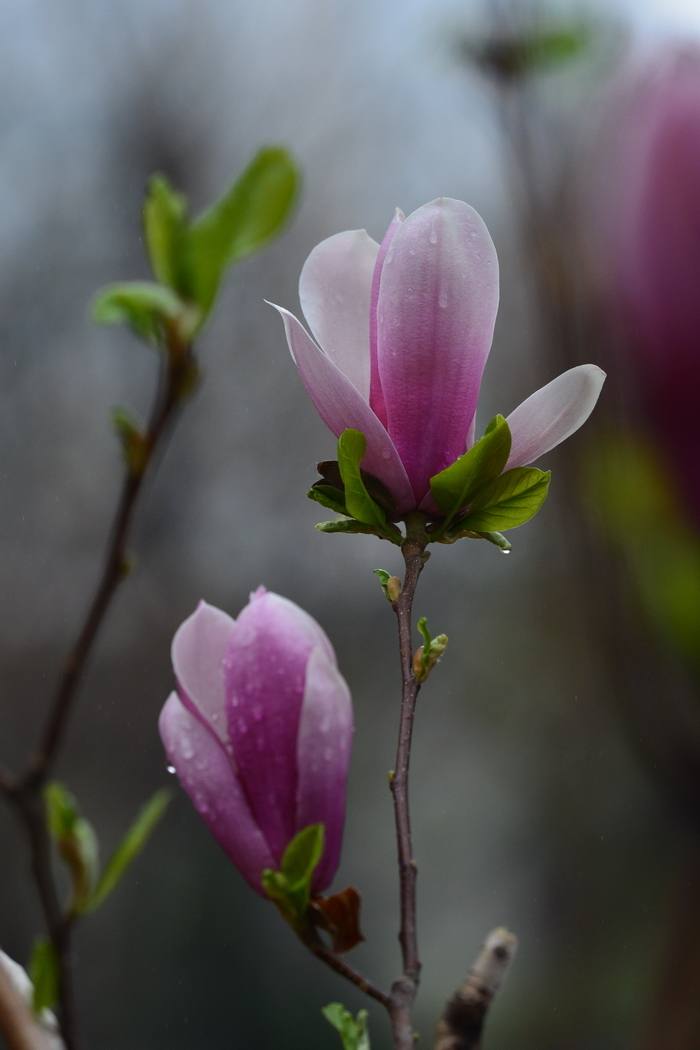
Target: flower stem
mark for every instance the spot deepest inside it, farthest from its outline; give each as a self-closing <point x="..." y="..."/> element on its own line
<point x="404" y="989"/>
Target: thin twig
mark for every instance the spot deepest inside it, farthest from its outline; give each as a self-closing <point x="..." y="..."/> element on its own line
<point x="27" y="792"/>
<point x="404" y="989"/>
<point x="461" y="1025"/>
<point x="323" y="952"/>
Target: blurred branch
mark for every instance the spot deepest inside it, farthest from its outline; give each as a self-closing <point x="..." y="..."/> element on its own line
<point x="462" y="1023"/>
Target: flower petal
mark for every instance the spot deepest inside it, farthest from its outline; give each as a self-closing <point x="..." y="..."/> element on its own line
<point x="376" y="395"/>
<point x="553" y="413"/>
<point x="335" y="289"/>
<point x="340" y="406"/>
<point x="209" y="778"/>
<point x="265" y="675"/>
<point x="437" y="306"/>
<point x="323" y="756"/>
<point x="198" y="651"/>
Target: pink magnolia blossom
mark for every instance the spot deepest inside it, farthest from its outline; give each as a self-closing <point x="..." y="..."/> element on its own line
<point x="403" y="330"/>
<point x="259" y="731"/>
<point x="648" y="238"/>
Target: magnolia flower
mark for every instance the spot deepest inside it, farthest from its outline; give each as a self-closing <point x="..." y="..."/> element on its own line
<point x="259" y="731"/>
<point x="646" y="218"/>
<point x="403" y="331"/>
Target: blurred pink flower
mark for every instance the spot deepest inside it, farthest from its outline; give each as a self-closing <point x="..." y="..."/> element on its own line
<point x="650" y="238"/>
<point x="404" y="330"/>
<point x="259" y="731"/>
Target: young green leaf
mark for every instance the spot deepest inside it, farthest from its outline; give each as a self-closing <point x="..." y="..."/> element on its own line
<point x="131" y="845"/>
<point x="510" y="500"/>
<point x="44" y="974"/>
<point x="456" y="486"/>
<point x="165" y="229"/>
<point x="328" y="496"/>
<point x="146" y="307"/>
<point x="350" y="525"/>
<point x="133" y="442"/>
<point x="352" y="445"/>
<point x="75" y="839"/>
<point x="243" y="220"/>
<point x="299" y="863"/>
<point x="353" y="1031"/>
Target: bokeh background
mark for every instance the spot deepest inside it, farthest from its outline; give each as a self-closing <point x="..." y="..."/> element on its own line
<point x="556" y="769"/>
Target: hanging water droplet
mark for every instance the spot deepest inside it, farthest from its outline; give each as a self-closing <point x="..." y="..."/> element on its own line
<point x="505" y="552"/>
<point x="171" y="769"/>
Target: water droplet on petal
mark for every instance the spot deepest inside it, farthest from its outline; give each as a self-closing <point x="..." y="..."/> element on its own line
<point x="433" y="235"/>
<point x="171" y="769"/>
<point x="442" y="300"/>
<point x="386" y="454"/>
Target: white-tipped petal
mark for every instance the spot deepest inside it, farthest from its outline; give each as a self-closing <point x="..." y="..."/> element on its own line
<point x="335" y="290"/>
<point x="198" y="651"/>
<point x="341" y="407"/>
<point x="553" y="413"/>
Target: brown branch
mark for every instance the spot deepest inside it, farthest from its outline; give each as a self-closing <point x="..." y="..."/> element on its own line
<point x="403" y="992"/>
<point x="178" y="371"/>
<point x="314" y="943"/>
<point x="461" y="1025"/>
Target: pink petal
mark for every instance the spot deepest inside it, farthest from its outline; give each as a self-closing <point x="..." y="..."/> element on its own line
<point x="265" y="675"/>
<point x="553" y="413"/>
<point x="376" y="396"/>
<point x="335" y="289"/>
<point x="208" y="776"/>
<point x="437" y="306"/>
<point x="323" y="756"/>
<point x="198" y="651"/>
<point x="340" y="407"/>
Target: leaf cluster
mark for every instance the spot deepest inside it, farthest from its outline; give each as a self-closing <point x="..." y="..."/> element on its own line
<point x="290" y="887"/>
<point x="353" y="1030"/>
<point x="189" y="258"/>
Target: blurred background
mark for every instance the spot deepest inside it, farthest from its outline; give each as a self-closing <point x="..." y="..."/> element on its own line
<point x="556" y="773"/>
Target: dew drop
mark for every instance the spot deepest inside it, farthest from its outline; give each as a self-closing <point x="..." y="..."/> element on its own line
<point x="505" y="552"/>
<point x="171" y="769"/>
<point x="433" y="235"/>
<point x="386" y="454"/>
<point x="442" y="300"/>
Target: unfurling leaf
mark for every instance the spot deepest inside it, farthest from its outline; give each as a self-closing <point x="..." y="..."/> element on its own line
<point x="75" y="839"/>
<point x="339" y="916"/>
<point x="353" y="1031"/>
<point x="148" y="308"/>
<point x="329" y="497"/>
<point x="509" y="501"/>
<point x="429" y="653"/>
<point x="290" y="887"/>
<point x="133" y="442"/>
<point x="351" y="525"/>
<point x="165" y="229"/>
<point x="129" y="848"/>
<point x="44" y="973"/>
<point x="457" y="485"/>
<point x="248" y="215"/>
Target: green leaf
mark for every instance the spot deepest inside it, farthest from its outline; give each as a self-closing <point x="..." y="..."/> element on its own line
<point x="456" y="486"/>
<point x="353" y="1031"/>
<point x="147" y="308"/>
<point x="131" y="845"/>
<point x="510" y="500"/>
<point x="44" y="973"/>
<point x="75" y="839"/>
<point x="299" y="863"/>
<point x="352" y="445"/>
<point x="165" y="229"/>
<point x="384" y="578"/>
<point x="249" y="214"/>
<point x="329" y="496"/>
<point x="429" y="653"/>
<point x="350" y="525"/>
